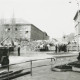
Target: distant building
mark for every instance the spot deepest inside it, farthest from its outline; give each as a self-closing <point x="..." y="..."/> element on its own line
<point x="18" y="29"/>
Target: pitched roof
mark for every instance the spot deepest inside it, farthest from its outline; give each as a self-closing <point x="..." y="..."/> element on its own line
<point x="14" y="20"/>
<point x="75" y="17"/>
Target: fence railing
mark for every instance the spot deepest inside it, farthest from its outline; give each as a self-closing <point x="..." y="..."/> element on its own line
<point x="31" y="65"/>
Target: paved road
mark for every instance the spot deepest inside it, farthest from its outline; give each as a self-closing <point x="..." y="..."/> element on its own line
<point x="45" y="73"/>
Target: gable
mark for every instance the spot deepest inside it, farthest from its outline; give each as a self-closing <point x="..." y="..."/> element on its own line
<point x="76" y="16"/>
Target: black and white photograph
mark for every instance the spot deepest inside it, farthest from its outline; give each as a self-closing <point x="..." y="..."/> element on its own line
<point x="39" y="39"/>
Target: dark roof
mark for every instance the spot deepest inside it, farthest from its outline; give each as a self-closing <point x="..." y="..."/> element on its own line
<point x="76" y="14"/>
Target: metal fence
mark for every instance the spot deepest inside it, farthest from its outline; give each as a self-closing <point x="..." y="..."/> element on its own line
<point x="9" y="75"/>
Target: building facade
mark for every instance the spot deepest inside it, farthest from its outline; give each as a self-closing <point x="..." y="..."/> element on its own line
<point x="20" y="30"/>
<point x="77" y="28"/>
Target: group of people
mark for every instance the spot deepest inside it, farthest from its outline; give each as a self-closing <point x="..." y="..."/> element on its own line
<point x="61" y="47"/>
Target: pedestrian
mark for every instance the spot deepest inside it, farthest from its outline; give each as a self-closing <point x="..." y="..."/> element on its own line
<point x="56" y="48"/>
<point x="19" y="50"/>
<point x="78" y="57"/>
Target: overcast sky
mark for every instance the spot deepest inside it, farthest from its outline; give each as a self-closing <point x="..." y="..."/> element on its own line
<point x="52" y="16"/>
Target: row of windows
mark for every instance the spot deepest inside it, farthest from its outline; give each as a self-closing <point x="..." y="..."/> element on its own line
<point x="17" y="29"/>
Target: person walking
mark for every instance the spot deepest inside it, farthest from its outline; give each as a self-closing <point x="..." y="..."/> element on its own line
<point x="19" y="50"/>
<point x="56" y="48"/>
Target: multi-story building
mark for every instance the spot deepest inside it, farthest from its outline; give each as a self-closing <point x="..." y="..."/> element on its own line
<point x="77" y="27"/>
<point x="77" y="22"/>
<point x="18" y="29"/>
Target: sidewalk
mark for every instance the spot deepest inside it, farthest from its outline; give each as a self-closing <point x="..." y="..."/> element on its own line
<point x="45" y="73"/>
<point x="36" y="56"/>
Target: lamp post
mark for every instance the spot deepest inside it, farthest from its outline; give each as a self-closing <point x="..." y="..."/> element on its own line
<point x="78" y="24"/>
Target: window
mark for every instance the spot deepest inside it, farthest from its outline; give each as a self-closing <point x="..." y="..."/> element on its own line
<point x="26" y="31"/>
<point x="8" y="29"/>
<point x="15" y="29"/>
